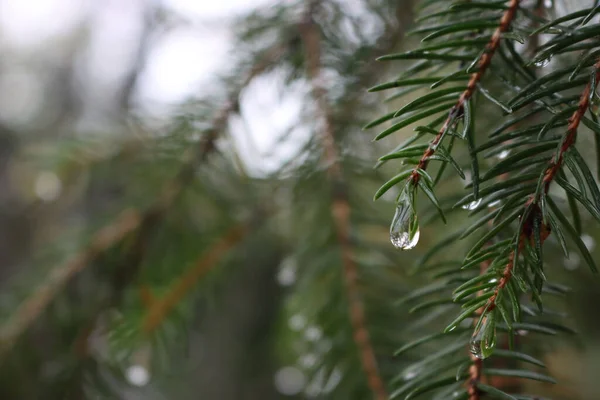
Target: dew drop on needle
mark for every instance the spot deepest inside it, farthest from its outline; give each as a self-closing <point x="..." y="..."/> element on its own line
<point x="404" y="230"/>
<point x="483" y="341"/>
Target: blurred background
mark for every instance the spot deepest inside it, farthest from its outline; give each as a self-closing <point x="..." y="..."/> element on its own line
<point x="168" y="223"/>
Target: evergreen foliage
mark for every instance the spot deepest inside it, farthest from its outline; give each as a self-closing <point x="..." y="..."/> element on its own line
<point x="489" y="179"/>
<point x="480" y="61"/>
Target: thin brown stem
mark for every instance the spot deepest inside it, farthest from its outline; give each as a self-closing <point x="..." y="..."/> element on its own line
<point x="474" y="378"/>
<point x="477" y="364"/>
<point x="130" y="221"/>
<point x="526" y="234"/>
<point x="483" y="64"/>
<point x="571" y="135"/>
<point x="160" y="308"/>
<point x="340" y="209"/>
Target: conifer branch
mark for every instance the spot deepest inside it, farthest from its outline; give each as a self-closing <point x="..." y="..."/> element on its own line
<point x="340" y="209"/>
<point x="458" y="108"/>
<point x="574" y="121"/>
<point x="160" y="308"/>
<point x="526" y="233"/>
<point x="474" y="377"/>
<point x="512" y="265"/>
<point x="476" y="368"/>
<point x="128" y="222"/>
<point x="197" y="155"/>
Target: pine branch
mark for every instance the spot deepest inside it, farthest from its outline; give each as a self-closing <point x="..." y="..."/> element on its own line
<point x="128" y="222"/>
<point x="477" y="364"/>
<point x="515" y="263"/>
<point x="474" y="378"/>
<point x="458" y="108"/>
<point x="526" y="233"/>
<point x="340" y="209"/>
<point x="476" y="369"/>
<point x="574" y="121"/>
<point x="151" y="217"/>
<point x="533" y="231"/>
<point x="198" y="155"/>
<point x="159" y="309"/>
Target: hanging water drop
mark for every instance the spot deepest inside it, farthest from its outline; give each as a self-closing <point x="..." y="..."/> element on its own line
<point x="404" y="230"/>
<point x="408" y="375"/>
<point x="503" y="154"/>
<point x="472" y="205"/>
<point x="542" y="62"/>
<point x="483" y="340"/>
<point x="595" y="103"/>
<point x="548" y="3"/>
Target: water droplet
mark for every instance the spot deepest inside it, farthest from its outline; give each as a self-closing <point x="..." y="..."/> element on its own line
<point x="483" y="340"/>
<point x="548" y="3"/>
<point x="494" y="203"/>
<point x="503" y="154"/>
<point x="404" y="231"/>
<point x="542" y="62"/>
<point x="410" y="374"/>
<point x="472" y="205"/>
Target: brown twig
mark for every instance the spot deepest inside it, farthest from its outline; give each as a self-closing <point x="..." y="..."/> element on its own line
<point x="128" y="222"/>
<point x="483" y="64"/>
<point x="340" y="209"/>
<point x="477" y="366"/>
<point x="574" y="121"/>
<point x="160" y="308"/>
<point x="195" y="156"/>
<point x="474" y="377"/>
<point x="526" y="233"/>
